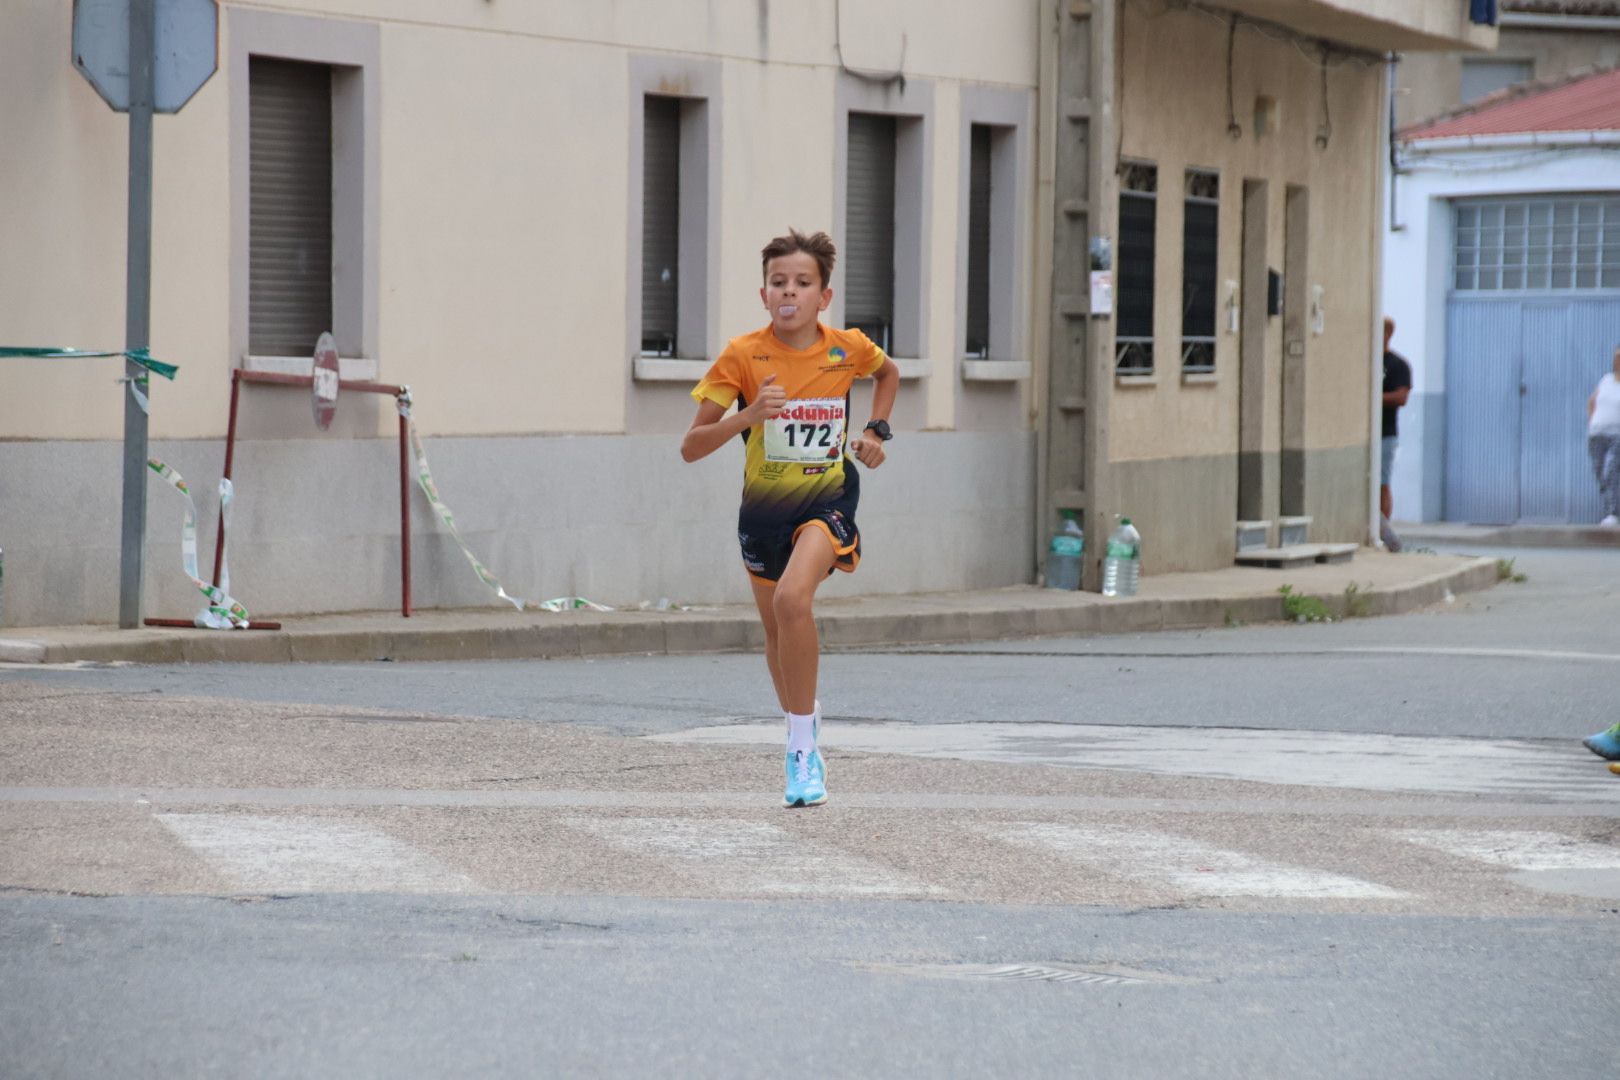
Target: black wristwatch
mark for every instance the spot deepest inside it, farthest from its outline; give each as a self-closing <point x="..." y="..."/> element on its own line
<point x="880" y="428"/>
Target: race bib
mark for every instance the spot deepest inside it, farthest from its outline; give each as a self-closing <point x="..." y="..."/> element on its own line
<point x="809" y="430"/>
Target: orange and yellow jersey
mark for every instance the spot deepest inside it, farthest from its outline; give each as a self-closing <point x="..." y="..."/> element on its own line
<point x="797" y="459"/>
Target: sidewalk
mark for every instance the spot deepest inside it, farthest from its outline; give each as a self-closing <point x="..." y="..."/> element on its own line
<point x="1389" y="584"/>
<point x="1450" y="534"/>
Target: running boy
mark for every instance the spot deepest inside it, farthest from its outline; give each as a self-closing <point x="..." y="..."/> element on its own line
<point x="790" y="382"/>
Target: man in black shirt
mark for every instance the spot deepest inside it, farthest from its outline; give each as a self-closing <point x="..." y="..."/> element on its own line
<point x="1397" y="388"/>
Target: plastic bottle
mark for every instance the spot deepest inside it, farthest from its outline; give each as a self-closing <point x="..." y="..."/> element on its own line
<point x="1122" y="564"/>
<point x="1063" y="557"/>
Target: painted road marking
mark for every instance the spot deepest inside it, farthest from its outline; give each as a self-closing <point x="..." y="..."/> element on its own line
<point x="310" y="854"/>
<point x="1191" y="867"/>
<point x="1334" y="759"/>
<point x="1501" y="654"/>
<point x="751" y="857"/>
<point x="1517" y="850"/>
<point x="1544" y="861"/>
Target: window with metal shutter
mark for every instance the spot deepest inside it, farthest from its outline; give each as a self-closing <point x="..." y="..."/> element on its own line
<point x="1200" y="251"/>
<point x="290" y="208"/>
<point x="869" y="224"/>
<point x="660" y="223"/>
<point x="978" y="274"/>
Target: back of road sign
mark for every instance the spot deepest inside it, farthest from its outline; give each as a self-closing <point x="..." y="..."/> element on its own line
<point x="324" y="386"/>
<point x="187" y="48"/>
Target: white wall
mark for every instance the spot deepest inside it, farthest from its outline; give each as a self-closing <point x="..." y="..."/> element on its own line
<point x="1416" y="282"/>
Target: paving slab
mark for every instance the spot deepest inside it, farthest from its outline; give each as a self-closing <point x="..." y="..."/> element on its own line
<point x="1373" y="583"/>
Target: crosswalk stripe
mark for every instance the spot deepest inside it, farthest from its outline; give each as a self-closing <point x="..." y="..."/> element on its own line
<point x="751" y="857"/>
<point x="1193" y="867"/>
<point x="1496" y="768"/>
<point x="1518" y="850"/>
<point x="310" y="854"/>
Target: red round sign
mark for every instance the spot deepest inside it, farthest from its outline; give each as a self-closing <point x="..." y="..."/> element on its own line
<point x="324" y="385"/>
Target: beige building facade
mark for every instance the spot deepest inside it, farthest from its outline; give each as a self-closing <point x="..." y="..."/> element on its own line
<point x="1539" y="40"/>
<point x="546" y="220"/>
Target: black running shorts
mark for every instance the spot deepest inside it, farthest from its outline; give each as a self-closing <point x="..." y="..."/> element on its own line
<point x="766" y="548"/>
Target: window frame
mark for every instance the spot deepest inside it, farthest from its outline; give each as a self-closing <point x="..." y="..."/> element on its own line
<point x="1204" y="343"/>
<point x="1535" y="247"/>
<point x="1007" y="113"/>
<point x="1525" y="65"/>
<point x="912" y="106"/>
<point x="353" y="51"/>
<point x="697" y="84"/>
<point x="1137" y="347"/>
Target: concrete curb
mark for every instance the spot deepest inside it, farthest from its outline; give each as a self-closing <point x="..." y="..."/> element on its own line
<point x="1531" y="536"/>
<point x="1012" y="613"/>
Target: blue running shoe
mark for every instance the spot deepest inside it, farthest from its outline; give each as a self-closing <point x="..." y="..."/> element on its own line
<point x="806" y="778"/>
<point x="1605" y="744"/>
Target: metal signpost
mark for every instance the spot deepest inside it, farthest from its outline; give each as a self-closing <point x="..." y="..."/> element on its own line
<point x="142" y="56"/>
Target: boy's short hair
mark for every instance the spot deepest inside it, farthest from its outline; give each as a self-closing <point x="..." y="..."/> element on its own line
<point x="819" y="246"/>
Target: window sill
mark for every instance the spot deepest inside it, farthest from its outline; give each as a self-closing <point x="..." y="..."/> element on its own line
<point x="1199" y="378"/>
<point x="350" y="368"/>
<point x="683" y="370"/>
<point x="1149" y="378"/>
<point x="995" y="370"/>
<point x="669" y="369"/>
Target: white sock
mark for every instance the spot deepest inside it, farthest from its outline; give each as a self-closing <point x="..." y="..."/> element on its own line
<point x="801" y="732"/>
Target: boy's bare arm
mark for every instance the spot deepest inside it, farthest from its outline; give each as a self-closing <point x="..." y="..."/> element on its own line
<point x="712" y="428"/>
<point x="869" y="451"/>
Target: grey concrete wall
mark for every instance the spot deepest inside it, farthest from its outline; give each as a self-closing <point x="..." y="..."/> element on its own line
<point x="1186" y="508"/>
<point x="1336" y="494"/>
<point x="620" y="519"/>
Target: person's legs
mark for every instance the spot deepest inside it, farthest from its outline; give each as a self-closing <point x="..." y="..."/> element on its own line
<point x="1386" y="461"/>
<point x="1605" y="451"/>
<point x="798" y="649"/>
<point x="798" y="656"/>
<point x="765" y="600"/>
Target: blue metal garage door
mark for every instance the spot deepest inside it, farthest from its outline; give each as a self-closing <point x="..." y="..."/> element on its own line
<point x="1532" y="323"/>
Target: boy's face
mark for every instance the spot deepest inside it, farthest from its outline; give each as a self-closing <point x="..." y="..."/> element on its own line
<point x="793" y="292"/>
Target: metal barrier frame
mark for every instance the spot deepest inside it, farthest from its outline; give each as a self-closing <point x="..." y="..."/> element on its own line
<point x="271" y="378"/>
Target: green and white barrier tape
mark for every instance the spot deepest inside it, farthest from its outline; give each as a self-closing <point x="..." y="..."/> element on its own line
<point x="140" y="356"/>
<point x="222" y="612"/>
<point x="137" y="383"/>
<point x="424" y="479"/>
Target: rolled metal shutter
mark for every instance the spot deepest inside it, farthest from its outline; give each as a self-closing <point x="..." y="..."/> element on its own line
<point x="660" y="223"/>
<point x="869" y="226"/>
<point x="290" y="207"/>
<point x="978" y="275"/>
<point x="1134" y="277"/>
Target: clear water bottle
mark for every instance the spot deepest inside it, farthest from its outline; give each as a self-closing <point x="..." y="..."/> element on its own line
<point x="1122" y="564"/>
<point x="1063" y="557"/>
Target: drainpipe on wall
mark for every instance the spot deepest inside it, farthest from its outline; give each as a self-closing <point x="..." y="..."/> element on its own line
<point x="1375" y="382"/>
<point x="1107" y="17"/>
<point x="1393" y="62"/>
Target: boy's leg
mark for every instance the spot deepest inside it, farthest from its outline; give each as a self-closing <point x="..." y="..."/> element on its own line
<point x="798" y="650"/>
<point x="765" y="601"/>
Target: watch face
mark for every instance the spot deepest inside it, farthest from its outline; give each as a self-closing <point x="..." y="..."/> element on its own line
<point x="880" y="428"/>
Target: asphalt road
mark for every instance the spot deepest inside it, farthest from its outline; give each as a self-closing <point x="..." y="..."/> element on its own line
<point x="1373" y="847"/>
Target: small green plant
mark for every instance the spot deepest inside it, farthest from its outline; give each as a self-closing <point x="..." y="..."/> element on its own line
<point x="1230" y="620"/>
<point x="1301" y="608"/>
<point x="1357" y="601"/>
<point x="463" y="958"/>
<point x="1505" y="572"/>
